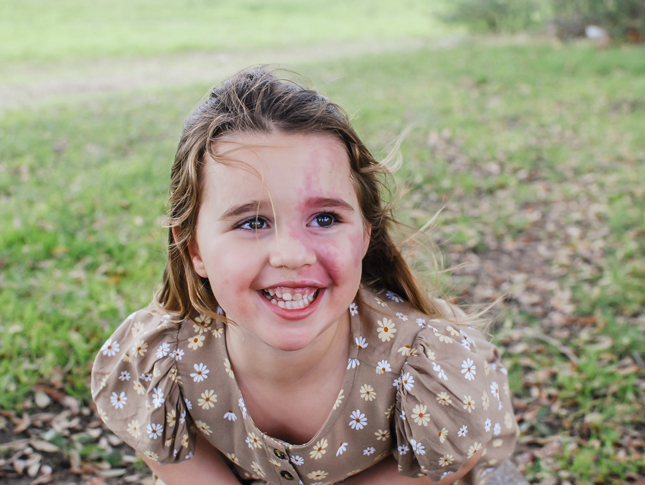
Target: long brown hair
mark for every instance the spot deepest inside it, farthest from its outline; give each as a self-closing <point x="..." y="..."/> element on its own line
<point x="257" y="101"/>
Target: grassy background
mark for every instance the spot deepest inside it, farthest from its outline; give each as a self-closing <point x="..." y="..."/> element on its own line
<point x="536" y="152"/>
<point x="71" y="29"/>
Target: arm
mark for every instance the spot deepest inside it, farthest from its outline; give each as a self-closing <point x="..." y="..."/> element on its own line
<point x="207" y="466"/>
<point x="386" y="473"/>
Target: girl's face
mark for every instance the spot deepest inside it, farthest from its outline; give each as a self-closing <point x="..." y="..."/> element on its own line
<point x="280" y="235"/>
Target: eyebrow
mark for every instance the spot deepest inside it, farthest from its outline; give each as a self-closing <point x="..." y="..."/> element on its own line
<point x="329" y="202"/>
<point x="256" y="206"/>
<point x="238" y="210"/>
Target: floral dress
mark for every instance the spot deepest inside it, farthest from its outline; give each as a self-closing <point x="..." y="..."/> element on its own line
<point x="429" y="392"/>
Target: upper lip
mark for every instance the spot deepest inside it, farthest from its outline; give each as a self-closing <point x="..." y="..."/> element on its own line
<point x="296" y="284"/>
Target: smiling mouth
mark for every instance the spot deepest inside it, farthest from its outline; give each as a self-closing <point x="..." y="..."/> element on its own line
<point x="290" y="298"/>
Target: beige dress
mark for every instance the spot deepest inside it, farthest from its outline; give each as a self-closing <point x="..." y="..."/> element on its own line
<point x="429" y="392"/>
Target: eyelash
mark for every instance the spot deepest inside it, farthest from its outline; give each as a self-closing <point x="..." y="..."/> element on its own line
<point x="333" y="215"/>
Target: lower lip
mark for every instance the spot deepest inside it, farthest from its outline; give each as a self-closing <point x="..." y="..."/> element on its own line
<point x="296" y="314"/>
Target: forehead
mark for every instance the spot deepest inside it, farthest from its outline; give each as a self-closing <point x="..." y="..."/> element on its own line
<point x="281" y="166"/>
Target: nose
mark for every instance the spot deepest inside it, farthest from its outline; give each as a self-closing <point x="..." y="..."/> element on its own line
<point x="291" y="249"/>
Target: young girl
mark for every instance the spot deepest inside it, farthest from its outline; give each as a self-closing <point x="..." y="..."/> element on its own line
<point x="290" y="342"/>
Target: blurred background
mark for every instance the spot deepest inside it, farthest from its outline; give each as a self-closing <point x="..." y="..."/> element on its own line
<point x="528" y="130"/>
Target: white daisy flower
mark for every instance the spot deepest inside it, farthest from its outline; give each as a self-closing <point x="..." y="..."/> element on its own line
<point x="297" y="460"/>
<point x="110" y="348"/>
<point x="319" y="450"/>
<point x="420" y="415"/>
<point x="383" y="366"/>
<point x="402" y="316"/>
<point x="207" y="399"/>
<point x="361" y="342"/>
<point x="146" y="376"/>
<point x="367" y="392"/>
<point x="393" y="297"/>
<point x="188" y="456"/>
<point x="154" y="430"/>
<point x="382" y="434"/>
<point x="240" y="403"/>
<point x="353" y="309"/>
<point x="487" y="424"/>
<point x="485" y="401"/>
<point x="353" y="363"/>
<point x="421" y="322"/>
<point x="177" y="354"/>
<point x="253" y="441"/>
<point x="469" y="403"/>
<point x="358" y="420"/>
<point x="494" y="389"/>
<point x="386" y="329"/>
<point x="475" y="447"/>
<point x="468" y="369"/>
<point x="341" y="449"/>
<point x="339" y="399"/>
<point x="118" y="400"/>
<point x="463" y="431"/>
<point x="440" y="373"/>
<point x="403" y="449"/>
<point x="189" y="404"/>
<point x="157" y="397"/>
<point x="140" y="348"/>
<point x="417" y="447"/>
<point x="163" y="350"/>
<point x="446" y="460"/>
<point x="182" y="417"/>
<point x="230" y="415"/>
<point x="497" y="429"/>
<point x="443" y="434"/>
<point x="201" y="372"/>
<point x="133" y="428"/>
<point x="407" y="382"/>
<point x="465" y="344"/>
<point x="317" y="475"/>
<point x="125" y="376"/>
<point x="369" y="450"/>
<point x="443" y="398"/>
<point x="402" y="415"/>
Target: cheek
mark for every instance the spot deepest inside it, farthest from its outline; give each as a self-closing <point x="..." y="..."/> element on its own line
<point x="343" y="259"/>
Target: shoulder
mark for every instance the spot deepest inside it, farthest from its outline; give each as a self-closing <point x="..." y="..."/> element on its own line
<point x="399" y="331"/>
<point x="138" y="340"/>
<point x="135" y="386"/>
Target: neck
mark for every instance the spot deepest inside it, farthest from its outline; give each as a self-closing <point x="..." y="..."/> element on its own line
<point x="258" y="364"/>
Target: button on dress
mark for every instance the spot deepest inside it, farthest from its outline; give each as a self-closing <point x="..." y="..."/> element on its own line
<point x="429" y="392"/>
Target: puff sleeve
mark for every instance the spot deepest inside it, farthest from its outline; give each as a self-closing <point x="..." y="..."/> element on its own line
<point x="136" y="388"/>
<point x="452" y="401"/>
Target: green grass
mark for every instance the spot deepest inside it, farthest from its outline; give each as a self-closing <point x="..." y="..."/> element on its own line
<point x="500" y="130"/>
<point x="39" y="30"/>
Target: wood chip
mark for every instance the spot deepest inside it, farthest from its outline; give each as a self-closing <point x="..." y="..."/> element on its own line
<point x="45" y="446"/>
<point x="42" y="399"/>
<point x="114" y="472"/>
<point x="42" y="479"/>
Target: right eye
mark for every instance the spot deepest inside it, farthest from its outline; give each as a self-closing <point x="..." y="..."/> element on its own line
<point x="253" y="224"/>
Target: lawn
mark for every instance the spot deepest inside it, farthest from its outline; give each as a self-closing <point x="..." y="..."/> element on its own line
<point x="535" y="152"/>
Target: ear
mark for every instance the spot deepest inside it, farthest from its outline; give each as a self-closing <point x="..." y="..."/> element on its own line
<point x="194" y="253"/>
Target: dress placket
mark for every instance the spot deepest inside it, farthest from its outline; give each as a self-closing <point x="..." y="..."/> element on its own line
<point x="277" y="453"/>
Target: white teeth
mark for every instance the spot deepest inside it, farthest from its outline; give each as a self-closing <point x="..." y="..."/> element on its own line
<point x="295" y="302"/>
<point x="278" y="293"/>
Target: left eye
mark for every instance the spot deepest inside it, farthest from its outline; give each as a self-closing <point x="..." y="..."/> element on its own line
<point x="325" y="219"/>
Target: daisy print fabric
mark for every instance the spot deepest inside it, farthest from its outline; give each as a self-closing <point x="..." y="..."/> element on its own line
<point x="431" y="393"/>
